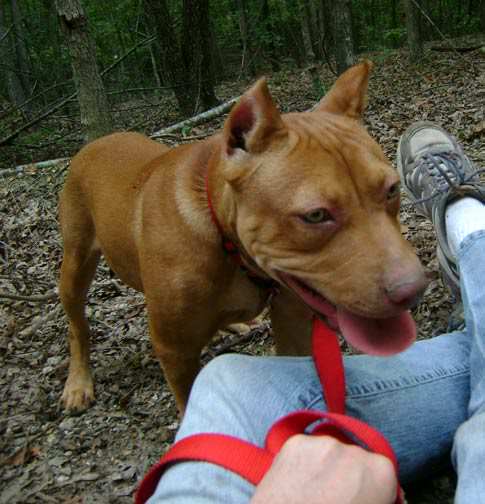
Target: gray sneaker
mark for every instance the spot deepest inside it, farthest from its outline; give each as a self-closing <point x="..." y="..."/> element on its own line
<point x="434" y="172"/>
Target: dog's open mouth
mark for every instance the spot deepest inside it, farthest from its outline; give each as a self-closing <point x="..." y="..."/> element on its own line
<point x="374" y="336"/>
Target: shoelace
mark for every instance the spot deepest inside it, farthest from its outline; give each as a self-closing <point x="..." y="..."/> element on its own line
<point x="443" y="167"/>
<point x="446" y="168"/>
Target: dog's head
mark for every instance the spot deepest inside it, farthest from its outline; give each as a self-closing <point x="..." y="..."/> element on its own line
<point x="316" y="204"/>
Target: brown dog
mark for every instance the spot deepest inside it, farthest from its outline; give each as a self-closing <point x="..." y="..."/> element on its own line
<point x="309" y="199"/>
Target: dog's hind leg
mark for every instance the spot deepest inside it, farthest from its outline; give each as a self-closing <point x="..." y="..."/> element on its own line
<point x="77" y="271"/>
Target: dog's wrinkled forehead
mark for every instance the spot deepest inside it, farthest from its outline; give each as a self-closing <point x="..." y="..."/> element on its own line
<point x="337" y="136"/>
<point x="322" y="146"/>
<point x="263" y="148"/>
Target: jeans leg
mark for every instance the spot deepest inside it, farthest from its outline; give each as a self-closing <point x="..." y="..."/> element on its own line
<point x="469" y="444"/>
<point x="417" y="399"/>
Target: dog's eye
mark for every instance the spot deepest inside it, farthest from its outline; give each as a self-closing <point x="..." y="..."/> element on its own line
<point x="394" y="191"/>
<point x="317" y="216"/>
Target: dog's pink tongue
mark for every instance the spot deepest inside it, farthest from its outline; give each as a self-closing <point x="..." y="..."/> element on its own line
<point x="377" y="336"/>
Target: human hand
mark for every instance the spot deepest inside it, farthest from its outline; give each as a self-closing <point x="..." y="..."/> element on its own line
<point x="322" y="470"/>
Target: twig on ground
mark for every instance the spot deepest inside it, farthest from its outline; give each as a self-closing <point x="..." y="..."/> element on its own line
<point x="188" y="138"/>
<point x="53" y="294"/>
<point x="198" y="119"/>
<point x="51" y="163"/>
<point x="40" y="321"/>
<point x="241" y="339"/>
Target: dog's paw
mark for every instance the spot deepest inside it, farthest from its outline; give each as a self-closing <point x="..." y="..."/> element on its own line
<point x="78" y="394"/>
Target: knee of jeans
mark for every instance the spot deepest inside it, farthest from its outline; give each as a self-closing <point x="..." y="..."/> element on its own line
<point x="224" y="373"/>
<point x="469" y="435"/>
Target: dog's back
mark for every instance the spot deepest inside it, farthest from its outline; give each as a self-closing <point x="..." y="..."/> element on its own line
<point x="99" y="198"/>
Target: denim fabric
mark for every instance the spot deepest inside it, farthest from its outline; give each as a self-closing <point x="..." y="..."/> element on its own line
<point x="417" y="399"/>
<point x="469" y="445"/>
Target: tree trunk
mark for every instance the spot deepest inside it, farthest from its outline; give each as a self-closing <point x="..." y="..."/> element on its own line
<point x="342" y="34"/>
<point x="394" y="20"/>
<point x="294" y="34"/>
<point x="197" y="54"/>
<point x="311" y="22"/>
<point x="23" y="61"/>
<point x="305" y="30"/>
<point x="153" y="61"/>
<point x="15" y="88"/>
<point x="415" y="41"/>
<point x="217" y="63"/>
<point x="482" y="15"/>
<point x="172" y="63"/>
<point x="95" y="116"/>
<point x="270" y="33"/>
<point x="327" y="43"/>
<point x="247" y="63"/>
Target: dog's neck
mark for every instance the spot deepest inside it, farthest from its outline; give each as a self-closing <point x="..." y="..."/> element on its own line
<point x="220" y="197"/>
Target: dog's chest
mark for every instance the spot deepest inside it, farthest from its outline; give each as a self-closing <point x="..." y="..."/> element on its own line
<point x="242" y="300"/>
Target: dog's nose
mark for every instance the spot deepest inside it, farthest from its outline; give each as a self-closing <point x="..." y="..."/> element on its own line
<point x="407" y="292"/>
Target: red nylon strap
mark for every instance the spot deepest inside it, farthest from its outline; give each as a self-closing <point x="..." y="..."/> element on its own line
<point x="331" y="368"/>
<point x="250" y="461"/>
<point x="229" y="452"/>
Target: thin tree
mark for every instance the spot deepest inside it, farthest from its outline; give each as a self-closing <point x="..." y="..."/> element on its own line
<point x="482" y="15"/>
<point x="197" y="54"/>
<point x="269" y="38"/>
<point x="415" y="39"/>
<point x="342" y="34"/>
<point x="171" y="62"/>
<point x="247" y="62"/>
<point x="294" y="33"/>
<point x="325" y="23"/>
<point x="187" y="61"/>
<point x="95" y="116"/>
<point x="310" y="27"/>
<point x="15" y="88"/>
<point x="21" y="53"/>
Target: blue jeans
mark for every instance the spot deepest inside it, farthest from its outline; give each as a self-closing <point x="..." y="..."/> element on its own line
<point x="427" y="401"/>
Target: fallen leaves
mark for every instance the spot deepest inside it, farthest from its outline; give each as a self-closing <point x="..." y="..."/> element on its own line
<point x="21" y="456"/>
<point x="99" y="456"/>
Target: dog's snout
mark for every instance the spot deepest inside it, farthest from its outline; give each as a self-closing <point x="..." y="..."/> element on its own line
<point x="407" y="292"/>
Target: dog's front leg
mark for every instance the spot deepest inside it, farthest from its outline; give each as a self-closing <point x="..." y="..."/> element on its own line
<point x="177" y="339"/>
<point x="292" y="324"/>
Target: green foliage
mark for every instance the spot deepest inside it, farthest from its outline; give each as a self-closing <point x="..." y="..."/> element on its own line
<point x="275" y="35"/>
<point x="394" y="37"/>
<point x="186" y="131"/>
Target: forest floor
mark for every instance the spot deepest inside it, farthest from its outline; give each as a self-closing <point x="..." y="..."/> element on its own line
<point x="99" y="456"/>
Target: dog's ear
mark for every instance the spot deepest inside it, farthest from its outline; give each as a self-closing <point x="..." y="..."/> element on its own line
<point x="348" y="96"/>
<point x="252" y="122"/>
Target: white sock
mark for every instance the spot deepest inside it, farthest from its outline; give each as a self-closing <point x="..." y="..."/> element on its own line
<point x="463" y="217"/>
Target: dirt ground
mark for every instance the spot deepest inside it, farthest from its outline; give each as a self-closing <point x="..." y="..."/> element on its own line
<point x="99" y="456"/>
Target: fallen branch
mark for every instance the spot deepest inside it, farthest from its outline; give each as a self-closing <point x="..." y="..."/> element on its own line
<point x="237" y="340"/>
<point x="456" y="49"/>
<point x="39" y="321"/>
<point x="53" y="294"/>
<point x="19" y="170"/>
<point x="198" y="119"/>
<point x="193" y="121"/>
<point x="186" y="138"/>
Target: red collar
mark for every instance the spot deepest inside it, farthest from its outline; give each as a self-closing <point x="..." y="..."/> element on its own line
<point x="228" y="245"/>
<point x="261" y="280"/>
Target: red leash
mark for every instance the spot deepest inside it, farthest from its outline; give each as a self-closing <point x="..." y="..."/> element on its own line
<point x="252" y="462"/>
